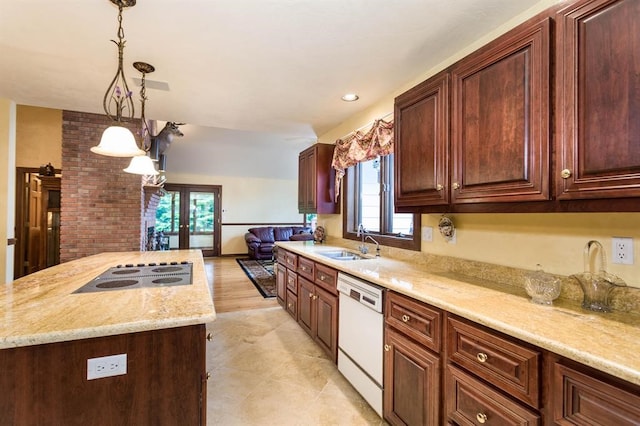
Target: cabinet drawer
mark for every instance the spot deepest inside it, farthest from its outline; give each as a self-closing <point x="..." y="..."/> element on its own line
<point x="504" y="363"/>
<point x="292" y="304"/>
<point x="291" y="260"/>
<point x="581" y="399"/>
<point x="281" y="255"/>
<point x="470" y="402"/>
<point x="326" y="278"/>
<point x="306" y="268"/>
<point x="415" y="319"/>
<point x="292" y="282"/>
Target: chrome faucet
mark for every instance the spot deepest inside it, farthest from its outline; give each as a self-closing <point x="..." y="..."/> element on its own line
<point x="363" y="247"/>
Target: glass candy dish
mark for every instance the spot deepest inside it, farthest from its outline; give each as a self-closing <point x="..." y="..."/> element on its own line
<point x="543" y="288"/>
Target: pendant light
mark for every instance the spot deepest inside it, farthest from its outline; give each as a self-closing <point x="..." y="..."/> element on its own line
<point x="143" y="164"/>
<point x="117" y="140"/>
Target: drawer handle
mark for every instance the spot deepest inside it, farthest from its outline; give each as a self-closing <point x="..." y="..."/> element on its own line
<point x="208" y="375"/>
<point x="387" y="348"/>
<point x="290" y="305"/>
<point x="209" y="337"/>
<point x="304" y="268"/>
<point x="322" y="278"/>
<point x="406" y="318"/>
<point x="482" y="357"/>
<point x="481" y="417"/>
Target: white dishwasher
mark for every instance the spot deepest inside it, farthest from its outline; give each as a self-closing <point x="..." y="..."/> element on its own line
<point x="360" y="337"/>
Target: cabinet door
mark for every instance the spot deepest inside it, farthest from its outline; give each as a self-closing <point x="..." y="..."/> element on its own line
<point x="421" y="132"/>
<point x="500" y="119"/>
<point x="306" y="306"/>
<point x="411" y="382"/>
<point x="281" y="283"/>
<point x="598" y="94"/>
<point x="579" y="399"/>
<point x="302" y="182"/>
<point x="327" y="322"/>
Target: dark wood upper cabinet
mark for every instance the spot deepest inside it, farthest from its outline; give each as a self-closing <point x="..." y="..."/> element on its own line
<point x="316" y="180"/>
<point x="598" y="100"/>
<point x="500" y="119"/>
<point x="422" y="144"/>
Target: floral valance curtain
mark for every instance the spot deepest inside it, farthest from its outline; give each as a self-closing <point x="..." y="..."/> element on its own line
<point x="360" y="146"/>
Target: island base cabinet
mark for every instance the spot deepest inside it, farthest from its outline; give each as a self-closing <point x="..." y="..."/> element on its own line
<point x="579" y="398"/>
<point x="411" y="382"/>
<point x="165" y="382"/>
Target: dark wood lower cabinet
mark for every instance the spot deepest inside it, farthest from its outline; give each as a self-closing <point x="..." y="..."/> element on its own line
<point x="165" y="382"/>
<point x="579" y="398"/>
<point x="471" y="402"/>
<point x="411" y="382"/>
<point x="318" y="315"/>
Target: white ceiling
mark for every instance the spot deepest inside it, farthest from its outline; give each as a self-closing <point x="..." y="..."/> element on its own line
<point x="273" y="66"/>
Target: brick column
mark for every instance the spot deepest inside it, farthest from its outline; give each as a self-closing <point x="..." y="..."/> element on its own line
<point x="101" y="206"/>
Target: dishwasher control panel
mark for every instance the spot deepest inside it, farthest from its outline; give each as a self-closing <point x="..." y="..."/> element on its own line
<point x="362" y="291"/>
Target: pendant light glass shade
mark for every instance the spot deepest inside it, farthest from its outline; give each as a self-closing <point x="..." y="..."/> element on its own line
<point x="141" y="165"/>
<point x="117" y="141"/>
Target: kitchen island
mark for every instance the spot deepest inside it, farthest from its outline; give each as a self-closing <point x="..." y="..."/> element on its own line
<point x="48" y="332"/>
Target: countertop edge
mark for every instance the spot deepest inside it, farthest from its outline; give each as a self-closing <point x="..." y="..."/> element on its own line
<point x="584" y="354"/>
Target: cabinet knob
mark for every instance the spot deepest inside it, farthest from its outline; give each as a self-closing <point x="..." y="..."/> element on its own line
<point x="209" y="337"/>
<point x="315" y="296"/>
<point x="322" y="278"/>
<point x="439" y="187"/>
<point x="310" y="295"/>
<point x="481" y="417"/>
<point x="482" y="357"/>
<point x="566" y="174"/>
<point x="208" y="375"/>
<point x="290" y="305"/>
<point x="387" y="348"/>
<point x="456" y="185"/>
<point x="406" y="318"/>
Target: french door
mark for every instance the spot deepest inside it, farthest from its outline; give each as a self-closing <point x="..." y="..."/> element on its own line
<point x="189" y="217"/>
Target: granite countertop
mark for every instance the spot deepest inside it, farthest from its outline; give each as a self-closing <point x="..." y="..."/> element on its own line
<point x="42" y="308"/>
<point x="608" y="342"/>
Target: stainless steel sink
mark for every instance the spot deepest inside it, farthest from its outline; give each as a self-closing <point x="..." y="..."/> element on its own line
<point x="342" y="255"/>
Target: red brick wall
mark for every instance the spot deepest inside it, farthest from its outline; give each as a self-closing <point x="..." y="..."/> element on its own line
<point x="101" y="206"/>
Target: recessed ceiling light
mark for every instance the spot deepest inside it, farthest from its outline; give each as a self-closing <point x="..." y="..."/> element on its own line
<point x="350" y="97"/>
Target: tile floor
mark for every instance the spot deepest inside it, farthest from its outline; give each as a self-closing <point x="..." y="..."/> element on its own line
<point x="265" y="370"/>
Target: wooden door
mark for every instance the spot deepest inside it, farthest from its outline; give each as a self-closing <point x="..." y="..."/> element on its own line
<point x="190" y="216"/>
<point x="411" y="382"/>
<point x="500" y="119"/>
<point x="35" y="238"/>
<point x="421" y="132"/>
<point x="327" y="322"/>
<point x="306" y="306"/>
<point x="598" y="94"/>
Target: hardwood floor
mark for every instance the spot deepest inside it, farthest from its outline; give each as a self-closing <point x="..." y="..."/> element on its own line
<point x="232" y="290"/>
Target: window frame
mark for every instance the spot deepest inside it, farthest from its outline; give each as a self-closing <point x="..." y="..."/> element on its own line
<point x="350" y="207"/>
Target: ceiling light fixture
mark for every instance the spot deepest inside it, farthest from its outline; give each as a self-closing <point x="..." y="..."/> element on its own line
<point x="143" y="164"/>
<point x="350" y="97"/>
<point x="117" y="140"/>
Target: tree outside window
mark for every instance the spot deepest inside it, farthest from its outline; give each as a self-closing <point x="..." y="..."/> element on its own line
<point x="369" y="201"/>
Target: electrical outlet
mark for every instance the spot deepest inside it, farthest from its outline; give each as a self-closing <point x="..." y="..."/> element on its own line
<point x="622" y="249"/>
<point x="427" y="233"/>
<point x="106" y="366"/>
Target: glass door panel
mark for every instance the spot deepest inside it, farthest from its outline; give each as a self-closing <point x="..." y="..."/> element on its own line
<point x="201" y="220"/>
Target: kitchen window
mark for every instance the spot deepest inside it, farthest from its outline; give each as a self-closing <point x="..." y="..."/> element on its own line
<point x="368" y="200"/>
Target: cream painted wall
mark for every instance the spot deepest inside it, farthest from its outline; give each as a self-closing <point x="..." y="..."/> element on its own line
<point x="247" y="202"/>
<point x="39" y="132"/>
<point x="7" y="187"/>
<point x="555" y="240"/>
